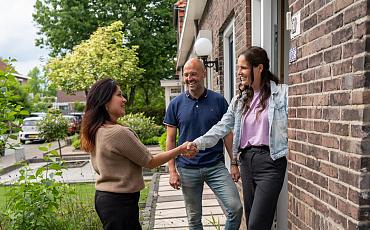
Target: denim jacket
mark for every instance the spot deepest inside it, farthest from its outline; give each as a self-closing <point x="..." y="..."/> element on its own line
<point x="232" y="119"/>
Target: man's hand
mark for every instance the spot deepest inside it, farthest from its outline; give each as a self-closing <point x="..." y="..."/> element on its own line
<point x="175" y="180"/>
<point x="235" y="174"/>
<point x="188" y="150"/>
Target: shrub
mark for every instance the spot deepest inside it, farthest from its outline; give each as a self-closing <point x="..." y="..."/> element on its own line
<point x="149" y="111"/>
<point x="76" y="141"/>
<point x="143" y="126"/>
<point x="162" y="140"/>
<point x="151" y="141"/>
<point x="35" y="200"/>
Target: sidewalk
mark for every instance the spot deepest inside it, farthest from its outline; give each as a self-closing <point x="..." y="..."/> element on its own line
<point x="169" y="208"/>
<point x="8" y="161"/>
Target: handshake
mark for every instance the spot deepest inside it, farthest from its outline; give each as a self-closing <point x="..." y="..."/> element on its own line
<point x="188" y="149"/>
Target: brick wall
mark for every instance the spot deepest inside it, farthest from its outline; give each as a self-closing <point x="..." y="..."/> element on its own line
<point x="329" y="116"/>
<point x="216" y="18"/>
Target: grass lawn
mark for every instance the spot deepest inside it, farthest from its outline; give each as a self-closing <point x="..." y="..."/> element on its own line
<point x="84" y="192"/>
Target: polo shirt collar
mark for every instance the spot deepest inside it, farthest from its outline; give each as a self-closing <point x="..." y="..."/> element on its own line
<point x="204" y="94"/>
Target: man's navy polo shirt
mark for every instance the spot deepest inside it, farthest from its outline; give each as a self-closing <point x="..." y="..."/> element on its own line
<point x="193" y="118"/>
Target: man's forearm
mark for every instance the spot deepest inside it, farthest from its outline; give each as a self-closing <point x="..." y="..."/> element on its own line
<point x="171" y="164"/>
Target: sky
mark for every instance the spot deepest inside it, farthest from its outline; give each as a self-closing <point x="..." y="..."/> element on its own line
<point x="18" y="34"/>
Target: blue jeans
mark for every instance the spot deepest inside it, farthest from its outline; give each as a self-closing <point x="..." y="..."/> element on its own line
<point x="219" y="180"/>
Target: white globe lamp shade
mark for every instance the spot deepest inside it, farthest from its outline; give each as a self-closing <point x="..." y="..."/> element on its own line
<point x="203" y="47"/>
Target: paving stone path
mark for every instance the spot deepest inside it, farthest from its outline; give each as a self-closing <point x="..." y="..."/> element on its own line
<point x="170" y="208"/>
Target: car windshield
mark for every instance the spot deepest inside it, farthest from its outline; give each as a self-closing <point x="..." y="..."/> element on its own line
<point x="30" y="123"/>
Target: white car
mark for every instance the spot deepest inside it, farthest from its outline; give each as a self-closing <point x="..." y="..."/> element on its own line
<point x="29" y="130"/>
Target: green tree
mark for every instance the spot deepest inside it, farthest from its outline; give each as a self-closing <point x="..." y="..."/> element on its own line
<point x="63" y="24"/>
<point x="11" y="105"/>
<point x="36" y="84"/>
<point x="98" y="57"/>
<point x="54" y="127"/>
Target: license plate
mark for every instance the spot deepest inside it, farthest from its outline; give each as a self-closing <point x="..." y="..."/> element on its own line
<point x="33" y="136"/>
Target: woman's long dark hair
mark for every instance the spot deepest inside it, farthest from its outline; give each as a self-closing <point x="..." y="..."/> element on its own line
<point x="95" y="112"/>
<point x="254" y="56"/>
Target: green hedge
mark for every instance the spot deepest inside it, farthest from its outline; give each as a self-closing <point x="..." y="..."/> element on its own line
<point x="156" y="113"/>
<point x="145" y="127"/>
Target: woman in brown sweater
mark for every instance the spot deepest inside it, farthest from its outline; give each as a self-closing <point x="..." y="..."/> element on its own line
<point x="117" y="156"/>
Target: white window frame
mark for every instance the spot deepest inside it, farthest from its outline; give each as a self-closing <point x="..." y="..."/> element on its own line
<point x="229" y="81"/>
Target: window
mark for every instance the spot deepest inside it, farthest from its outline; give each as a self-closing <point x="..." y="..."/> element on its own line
<point x="229" y="61"/>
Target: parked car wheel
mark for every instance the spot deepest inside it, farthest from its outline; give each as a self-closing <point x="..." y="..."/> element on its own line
<point x="23" y="141"/>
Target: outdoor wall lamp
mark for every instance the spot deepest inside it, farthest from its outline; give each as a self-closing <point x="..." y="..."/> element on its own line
<point x="203" y="48"/>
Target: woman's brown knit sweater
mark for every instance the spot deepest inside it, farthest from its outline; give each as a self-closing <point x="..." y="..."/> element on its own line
<point x="118" y="160"/>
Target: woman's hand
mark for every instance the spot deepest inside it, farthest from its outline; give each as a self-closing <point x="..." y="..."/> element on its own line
<point x="188" y="149"/>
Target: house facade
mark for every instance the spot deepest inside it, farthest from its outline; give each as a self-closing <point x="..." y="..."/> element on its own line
<point x="22" y="79"/>
<point x="320" y="49"/>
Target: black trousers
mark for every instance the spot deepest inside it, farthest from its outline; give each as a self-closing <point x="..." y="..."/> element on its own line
<point x="262" y="180"/>
<point x="118" y="211"/>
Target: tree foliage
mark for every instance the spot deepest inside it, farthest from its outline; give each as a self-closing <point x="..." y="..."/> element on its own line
<point x="99" y="57"/>
<point x="64" y="24"/>
<point x="12" y="105"/>
<point x="53" y="127"/>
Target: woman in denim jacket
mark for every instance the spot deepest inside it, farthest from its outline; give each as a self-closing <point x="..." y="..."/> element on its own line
<point x="258" y="115"/>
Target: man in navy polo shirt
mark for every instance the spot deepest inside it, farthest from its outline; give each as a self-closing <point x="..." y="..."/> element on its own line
<point x="193" y="113"/>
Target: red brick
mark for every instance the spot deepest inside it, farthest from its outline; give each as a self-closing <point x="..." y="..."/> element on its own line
<point x="328" y="198"/>
<point x="333" y="55"/>
<point x="294" y="123"/>
<point x="307" y="100"/>
<point x="339" y="129"/>
<point x="315" y="60"/>
<point x="317" y="152"/>
<point x="360" y="97"/>
<point x="342" y="67"/>
<point x="356" y="11"/>
<point x="295" y="79"/>
<point x="309" y="22"/>
<point x="308" y="75"/>
<point x="301" y="136"/>
<point x="329" y="170"/>
<point x="314" y="138"/>
<point x="331" y="114"/>
<point x="338" y="188"/>
<point x="330" y="142"/>
<point x="340" y="99"/>
<point x="307" y="125"/>
<point x="294" y="101"/>
<point x="321" y="100"/>
<point x="339" y="158"/>
<point x="321" y="126"/>
<point x="339" y="5"/>
<point x="351" y="115"/>
<point x="332" y="84"/>
<point x="323" y="72"/>
<point x="292" y="112"/>
<point x="350" y="145"/>
<point x="352" y="48"/>
<point x="322" y="181"/>
<point x="314" y="113"/>
<point x="334" y="23"/>
<point x="343" y="35"/>
<point x="321" y="207"/>
<point x="315" y="87"/>
<point x="325" y="12"/>
<point x="338" y="218"/>
<point x="348" y="177"/>
<point x="302" y="113"/>
<point x="361" y="131"/>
